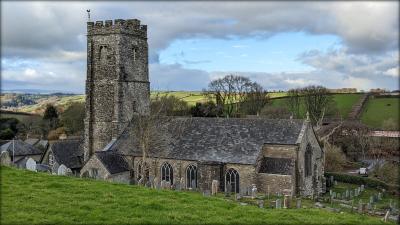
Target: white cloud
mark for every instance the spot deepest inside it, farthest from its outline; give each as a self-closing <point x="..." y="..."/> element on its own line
<point x="394" y="72"/>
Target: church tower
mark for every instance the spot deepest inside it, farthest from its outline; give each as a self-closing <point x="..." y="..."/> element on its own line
<point x="117" y="84"/>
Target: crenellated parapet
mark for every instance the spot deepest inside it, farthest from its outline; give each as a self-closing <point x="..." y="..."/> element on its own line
<point x="118" y="26"/>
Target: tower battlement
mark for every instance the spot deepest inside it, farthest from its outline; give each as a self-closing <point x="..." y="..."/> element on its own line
<point x="130" y="26"/>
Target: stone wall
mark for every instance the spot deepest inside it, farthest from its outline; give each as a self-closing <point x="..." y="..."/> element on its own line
<point x="275" y="183"/>
<point x="311" y="185"/>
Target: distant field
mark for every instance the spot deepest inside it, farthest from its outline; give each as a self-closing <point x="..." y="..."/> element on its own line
<point x="343" y="102"/>
<point x="38" y="198"/>
<point x="21" y="117"/>
<point x="378" y="110"/>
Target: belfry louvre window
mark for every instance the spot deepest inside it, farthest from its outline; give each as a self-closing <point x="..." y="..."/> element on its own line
<point x="191" y="176"/>
<point x="167" y="173"/>
<point x="232" y="181"/>
<point x="307" y="161"/>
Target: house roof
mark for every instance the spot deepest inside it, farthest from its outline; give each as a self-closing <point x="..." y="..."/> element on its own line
<point x="113" y="161"/>
<point x="233" y="140"/>
<point x="32" y="141"/>
<point x="21" y="148"/>
<point x="68" y="152"/>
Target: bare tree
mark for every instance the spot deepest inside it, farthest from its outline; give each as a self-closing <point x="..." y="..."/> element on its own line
<point x="255" y="100"/>
<point x="229" y="92"/>
<point x="316" y="101"/>
<point x="294" y="102"/>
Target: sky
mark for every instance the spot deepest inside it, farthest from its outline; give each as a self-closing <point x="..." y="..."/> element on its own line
<point x="280" y="45"/>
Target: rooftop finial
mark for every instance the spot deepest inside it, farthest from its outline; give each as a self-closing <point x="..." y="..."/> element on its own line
<point x="88" y="14"/>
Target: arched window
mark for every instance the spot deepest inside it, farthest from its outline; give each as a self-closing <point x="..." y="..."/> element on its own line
<point x="191" y="176"/>
<point x="167" y="173"/>
<point x="232" y="181"/>
<point x="307" y="161"/>
<point x="51" y="159"/>
<point x="146" y="171"/>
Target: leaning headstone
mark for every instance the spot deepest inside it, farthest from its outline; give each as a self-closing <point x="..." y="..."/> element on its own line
<point x="214" y="187"/>
<point x="30" y="164"/>
<point x="298" y="203"/>
<point x="254" y="192"/>
<point x="260" y="203"/>
<point x="62" y="170"/>
<point x="286" y="201"/>
<point x="5" y="159"/>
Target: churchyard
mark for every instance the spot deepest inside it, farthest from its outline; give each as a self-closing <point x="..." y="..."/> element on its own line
<point x="37" y="198"/>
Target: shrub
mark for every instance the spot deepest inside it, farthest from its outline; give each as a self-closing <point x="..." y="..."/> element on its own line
<point x="7" y="134"/>
<point x="335" y="159"/>
<point x="55" y="134"/>
<point x="388" y="172"/>
<point x="72" y="118"/>
<point x="370" y="182"/>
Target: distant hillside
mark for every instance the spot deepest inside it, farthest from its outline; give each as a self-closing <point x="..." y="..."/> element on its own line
<point x="37" y="198"/>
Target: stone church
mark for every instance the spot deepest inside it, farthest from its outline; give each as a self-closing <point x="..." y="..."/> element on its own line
<point x="274" y="155"/>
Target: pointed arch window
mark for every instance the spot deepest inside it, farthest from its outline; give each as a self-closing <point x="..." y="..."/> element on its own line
<point x="232" y="181"/>
<point x="191" y="177"/>
<point x="167" y="173"/>
<point x="307" y="161"/>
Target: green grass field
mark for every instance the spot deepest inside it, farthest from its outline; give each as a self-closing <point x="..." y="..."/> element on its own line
<point x="37" y="198"/>
<point x="378" y="110"/>
<point x="343" y="102"/>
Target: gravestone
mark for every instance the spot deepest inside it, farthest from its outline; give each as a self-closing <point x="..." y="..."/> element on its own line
<point x="183" y="186"/>
<point x="5" y="159"/>
<point x="371" y="199"/>
<point x="347" y="193"/>
<point x="214" y="187"/>
<point x="278" y="203"/>
<point x="333" y="195"/>
<point x="330" y="192"/>
<point x="362" y="187"/>
<point x="163" y="184"/>
<point x="331" y="178"/>
<point x="178" y="185"/>
<point x="140" y="181"/>
<point x="62" y="170"/>
<point x="335" y="182"/>
<point x="206" y="193"/>
<point x="260" y="203"/>
<point x="298" y="203"/>
<point x="360" y="205"/>
<point x="272" y="204"/>
<point x="238" y="196"/>
<point x="351" y="194"/>
<point x="379" y="196"/>
<point x="286" y="201"/>
<point x="168" y="185"/>
<point x="254" y="192"/>
<point x="339" y="195"/>
<point x="30" y="165"/>
<point x="68" y="172"/>
<point x="369" y="206"/>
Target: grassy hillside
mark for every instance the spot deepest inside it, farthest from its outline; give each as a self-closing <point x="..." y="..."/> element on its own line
<point x="36" y="198"/>
<point x="343" y="102"/>
<point x="378" y="110"/>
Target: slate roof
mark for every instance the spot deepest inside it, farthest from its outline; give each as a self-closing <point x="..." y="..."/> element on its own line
<point x="68" y="152"/>
<point x="113" y="161"/>
<point x="32" y="141"/>
<point x="233" y="140"/>
<point x="21" y="148"/>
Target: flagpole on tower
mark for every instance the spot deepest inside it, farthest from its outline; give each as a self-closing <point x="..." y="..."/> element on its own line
<point x="88" y="13"/>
